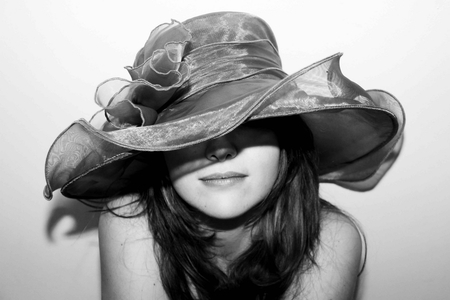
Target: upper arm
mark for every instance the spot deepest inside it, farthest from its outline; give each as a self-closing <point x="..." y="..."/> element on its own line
<point x="338" y="261"/>
<point x="128" y="266"/>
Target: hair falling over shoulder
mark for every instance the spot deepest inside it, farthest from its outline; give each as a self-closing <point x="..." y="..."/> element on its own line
<point x="286" y="232"/>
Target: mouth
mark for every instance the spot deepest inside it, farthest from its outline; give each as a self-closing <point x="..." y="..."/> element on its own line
<point x="223" y="178"/>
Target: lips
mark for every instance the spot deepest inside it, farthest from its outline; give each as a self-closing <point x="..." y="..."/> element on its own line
<point x="223" y="176"/>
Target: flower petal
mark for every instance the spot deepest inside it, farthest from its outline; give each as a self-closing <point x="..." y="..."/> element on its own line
<point x="157" y="73"/>
<point x="162" y="35"/>
<point x="111" y="91"/>
<point x="126" y="114"/>
<point x="162" y="52"/>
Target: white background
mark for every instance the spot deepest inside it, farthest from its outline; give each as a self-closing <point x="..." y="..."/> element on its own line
<point x="53" y="53"/>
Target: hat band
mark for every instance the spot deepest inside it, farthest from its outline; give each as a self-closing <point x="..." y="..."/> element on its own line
<point x="224" y="62"/>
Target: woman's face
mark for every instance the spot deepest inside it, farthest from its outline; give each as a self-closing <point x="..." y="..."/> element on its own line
<point x="227" y="176"/>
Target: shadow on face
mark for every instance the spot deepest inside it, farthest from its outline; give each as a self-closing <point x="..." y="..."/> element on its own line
<point x="248" y="136"/>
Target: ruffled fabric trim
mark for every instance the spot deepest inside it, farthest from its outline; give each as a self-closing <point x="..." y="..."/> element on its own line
<point x="158" y="71"/>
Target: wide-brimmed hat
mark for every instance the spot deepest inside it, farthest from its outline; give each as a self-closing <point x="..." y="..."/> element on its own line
<point x="200" y="79"/>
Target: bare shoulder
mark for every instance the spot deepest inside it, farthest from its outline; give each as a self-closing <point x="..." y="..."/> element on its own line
<point x="128" y="265"/>
<point x="340" y="233"/>
<point x="338" y="259"/>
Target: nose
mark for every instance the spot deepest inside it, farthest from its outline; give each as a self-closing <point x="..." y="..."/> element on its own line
<point x="221" y="149"/>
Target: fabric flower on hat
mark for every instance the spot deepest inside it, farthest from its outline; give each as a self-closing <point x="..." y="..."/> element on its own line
<point x="158" y="71"/>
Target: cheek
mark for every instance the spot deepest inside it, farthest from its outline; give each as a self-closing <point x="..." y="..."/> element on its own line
<point x="181" y="166"/>
<point x="181" y="162"/>
<point x="264" y="158"/>
<point x="183" y="186"/>
<point x="267" y="163"/>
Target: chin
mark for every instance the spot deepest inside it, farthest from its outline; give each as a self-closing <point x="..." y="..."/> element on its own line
<point x="227" y="210"/>
<point x="224" y="215"/>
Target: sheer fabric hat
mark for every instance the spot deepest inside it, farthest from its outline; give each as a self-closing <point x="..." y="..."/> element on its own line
<point x="199" y="80"/>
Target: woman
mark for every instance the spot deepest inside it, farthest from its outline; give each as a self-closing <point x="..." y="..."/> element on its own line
<point x="209" y="164"/>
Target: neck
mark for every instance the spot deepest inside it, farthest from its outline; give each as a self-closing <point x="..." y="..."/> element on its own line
<point x="232" y="237"/>
<point x="230" y="244"/>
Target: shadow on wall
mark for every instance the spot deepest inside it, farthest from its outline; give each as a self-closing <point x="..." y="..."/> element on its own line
<point x="84" y="217"/>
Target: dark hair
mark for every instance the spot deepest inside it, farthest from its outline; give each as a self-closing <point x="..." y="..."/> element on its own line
<point x="286" y="230"/>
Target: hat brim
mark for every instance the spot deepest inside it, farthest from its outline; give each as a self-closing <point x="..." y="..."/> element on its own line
<point x="354" y="130"/>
